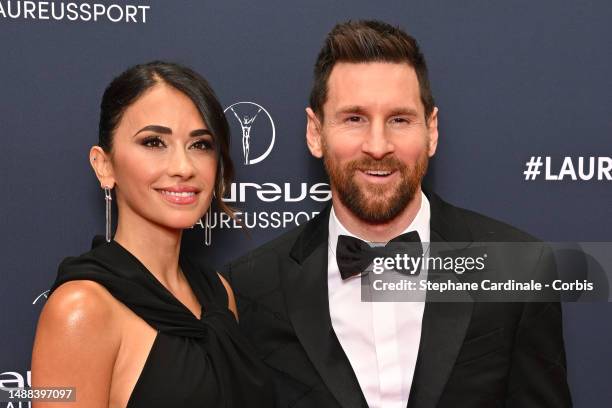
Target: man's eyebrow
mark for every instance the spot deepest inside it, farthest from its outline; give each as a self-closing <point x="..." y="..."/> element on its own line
<point x="360" y="110"/>
<point x="404" y="111"/>
<point x="351" y="109"/>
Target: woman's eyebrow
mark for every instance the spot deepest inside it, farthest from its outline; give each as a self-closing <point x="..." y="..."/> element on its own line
<point x="155" y="128"/>
<point x="200" y="132"/>
<point x="167" y="131"/>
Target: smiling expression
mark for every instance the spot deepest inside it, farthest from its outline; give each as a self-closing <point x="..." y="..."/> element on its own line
<point x="374" y="138"/>
<point x="163" y="160"/>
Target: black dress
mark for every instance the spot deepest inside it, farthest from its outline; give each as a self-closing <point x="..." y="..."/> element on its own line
<point x="192" y="363"/>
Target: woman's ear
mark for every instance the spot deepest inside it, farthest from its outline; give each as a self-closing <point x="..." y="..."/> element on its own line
<point x="102" y="166"/>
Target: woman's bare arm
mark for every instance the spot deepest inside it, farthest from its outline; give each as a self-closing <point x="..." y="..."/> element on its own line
<point x="76" y="344"/>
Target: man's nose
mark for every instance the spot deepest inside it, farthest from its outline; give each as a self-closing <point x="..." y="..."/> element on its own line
<point x="377" y="142"/>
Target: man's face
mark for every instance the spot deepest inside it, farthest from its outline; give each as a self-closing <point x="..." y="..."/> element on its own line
<point x="374" y="139"/>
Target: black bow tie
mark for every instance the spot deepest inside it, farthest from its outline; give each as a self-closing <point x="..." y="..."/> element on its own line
<point x="354" y="255"/>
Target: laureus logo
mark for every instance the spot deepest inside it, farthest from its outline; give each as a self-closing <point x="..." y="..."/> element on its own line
<point x="256" y="128"/>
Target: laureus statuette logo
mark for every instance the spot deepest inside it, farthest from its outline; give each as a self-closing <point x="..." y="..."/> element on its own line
<point x="248" y="115"/>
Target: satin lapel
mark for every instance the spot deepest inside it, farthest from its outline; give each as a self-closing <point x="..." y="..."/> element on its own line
<point x="305" y="281"/>
<point x="444" y="324"/>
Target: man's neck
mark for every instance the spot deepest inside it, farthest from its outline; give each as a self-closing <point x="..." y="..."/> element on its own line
<point x="377" y="232"/>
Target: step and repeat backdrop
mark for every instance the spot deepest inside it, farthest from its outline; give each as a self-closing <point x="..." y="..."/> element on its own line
<point x="523" y="87"/>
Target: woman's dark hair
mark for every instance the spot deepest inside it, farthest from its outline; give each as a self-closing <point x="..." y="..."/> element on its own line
<point x="125" y="89"/>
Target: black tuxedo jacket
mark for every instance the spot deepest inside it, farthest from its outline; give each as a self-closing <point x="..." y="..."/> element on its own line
<point x="470" y="354"/>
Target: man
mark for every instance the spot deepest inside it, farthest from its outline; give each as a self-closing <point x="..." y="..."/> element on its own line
<point x="373" y="121"/>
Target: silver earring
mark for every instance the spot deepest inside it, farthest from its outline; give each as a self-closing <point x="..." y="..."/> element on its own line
<point x="207" y="228"/>
<point x="108" y="198"/>
<point x="221" y="181"/>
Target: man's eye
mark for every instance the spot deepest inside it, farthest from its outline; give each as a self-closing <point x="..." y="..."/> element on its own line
<point x="202" y="145"/>
<point x="399" y="121"/>
<point x="153" y="141"/>
<point x="354" y="119"/>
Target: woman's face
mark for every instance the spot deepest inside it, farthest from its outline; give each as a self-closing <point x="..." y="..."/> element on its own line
<point x="163" y="161"/>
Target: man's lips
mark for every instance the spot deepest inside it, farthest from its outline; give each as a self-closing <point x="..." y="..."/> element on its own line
<point x="378" y="173"/>
<point x="377" y="176"/>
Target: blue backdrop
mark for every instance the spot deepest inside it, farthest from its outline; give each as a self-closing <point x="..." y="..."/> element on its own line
<point x="513" y="80"/>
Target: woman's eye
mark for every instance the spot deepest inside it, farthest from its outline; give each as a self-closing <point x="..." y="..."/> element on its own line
<point x="153" y="141"/>
<point x="202" y="145"/>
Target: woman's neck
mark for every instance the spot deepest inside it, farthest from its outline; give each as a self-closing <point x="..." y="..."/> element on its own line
<point x="156" y="247"/>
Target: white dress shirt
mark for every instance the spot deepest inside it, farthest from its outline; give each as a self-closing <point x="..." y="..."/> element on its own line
<point x="380" y="339"/>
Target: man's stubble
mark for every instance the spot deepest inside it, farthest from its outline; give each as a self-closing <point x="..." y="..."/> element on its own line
<point x="375" y="203"/>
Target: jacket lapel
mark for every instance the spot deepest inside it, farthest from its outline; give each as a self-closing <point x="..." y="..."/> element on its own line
<point x="443" y="329"/>
<point x="305" y="281"/>
<point x="444" y="324"/>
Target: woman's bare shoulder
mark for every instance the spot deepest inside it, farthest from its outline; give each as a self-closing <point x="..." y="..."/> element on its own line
<point x="80" y="305"/>
<point x="77" y="341"/>
<point x="80" y="317"/>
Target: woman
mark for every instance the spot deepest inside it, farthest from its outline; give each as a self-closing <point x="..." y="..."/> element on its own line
<point x="133" y="323"/>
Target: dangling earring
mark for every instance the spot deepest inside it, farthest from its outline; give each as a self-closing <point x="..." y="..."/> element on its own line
<point x="207" y="228"/>
<point x="221" y="181"/>
<point x="208" y="215"/>
<point x="207" y="224"/>
<point x="108" y="198"/>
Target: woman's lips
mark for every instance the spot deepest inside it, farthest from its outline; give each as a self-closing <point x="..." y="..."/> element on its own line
<point x="179" y="197"/>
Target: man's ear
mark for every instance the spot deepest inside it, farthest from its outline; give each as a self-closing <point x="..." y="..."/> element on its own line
<point x="313" y="134"/>
<point x="432" y="130"/>
<point x="102" y="166"/>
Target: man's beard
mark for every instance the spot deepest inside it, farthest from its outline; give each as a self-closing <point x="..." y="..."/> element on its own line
<point x="372" y="202"/>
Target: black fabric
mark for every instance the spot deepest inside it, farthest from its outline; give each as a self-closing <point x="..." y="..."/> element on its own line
<point x="194" y="362"/>
<point x="470" y="355"/>
<point x="354" y="255"/>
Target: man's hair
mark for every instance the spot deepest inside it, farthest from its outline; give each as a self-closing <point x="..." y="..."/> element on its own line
<point x="368" y="41"/>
